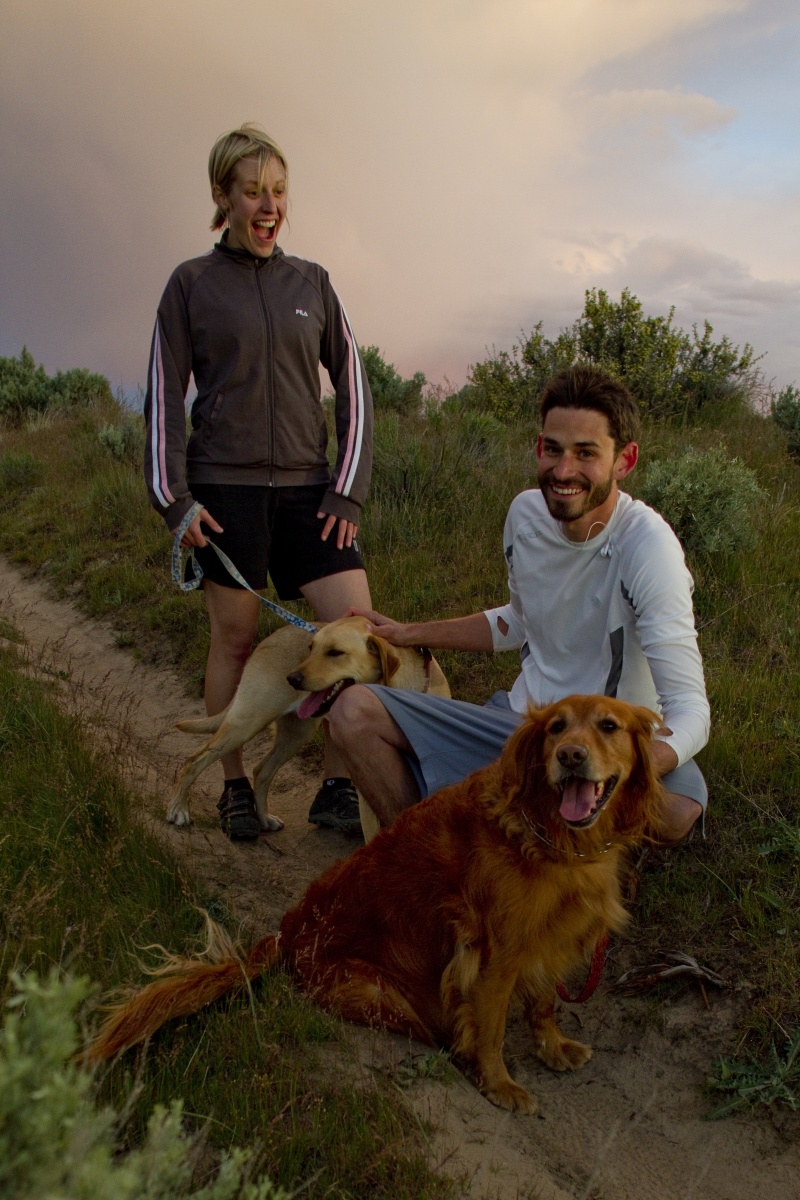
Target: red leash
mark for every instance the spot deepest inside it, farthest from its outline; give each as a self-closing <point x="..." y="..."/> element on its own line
<point x="595" y="973"/>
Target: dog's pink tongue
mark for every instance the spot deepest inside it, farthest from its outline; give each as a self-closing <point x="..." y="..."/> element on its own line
<point x="577" y="799"/>
<point x="312" y="702"/>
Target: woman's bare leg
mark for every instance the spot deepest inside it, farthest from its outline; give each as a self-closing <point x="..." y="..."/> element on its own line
<point x="233" y="617"/>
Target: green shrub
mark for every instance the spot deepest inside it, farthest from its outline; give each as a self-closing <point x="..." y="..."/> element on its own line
<point x="19" y="471"/>
<point x="785" y="412"/>
<point x="125" y="440"/>
<point x="709" y="499"/>
<point x="26" y="389"/>
<point x="55" y="1142"/>
<point x="390" y="392"/>
<point x="671" y="373"/>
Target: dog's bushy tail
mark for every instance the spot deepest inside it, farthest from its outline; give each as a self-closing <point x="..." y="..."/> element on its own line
<point x="181" y="986"/>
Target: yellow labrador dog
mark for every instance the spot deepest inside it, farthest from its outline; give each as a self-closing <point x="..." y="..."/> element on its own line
<point x="293" y="684"/>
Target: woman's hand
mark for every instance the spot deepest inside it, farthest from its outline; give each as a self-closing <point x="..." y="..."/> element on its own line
<point x="194" y="534"/>
<point x="344" y="534"/>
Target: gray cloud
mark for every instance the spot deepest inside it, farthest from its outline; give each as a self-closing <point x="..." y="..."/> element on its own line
<point x="452" y="165"/>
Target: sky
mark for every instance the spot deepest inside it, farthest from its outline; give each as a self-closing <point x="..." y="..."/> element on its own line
<point x="463" y="168"/>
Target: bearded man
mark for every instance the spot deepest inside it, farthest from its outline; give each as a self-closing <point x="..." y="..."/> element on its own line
<point x="600" y="601"/>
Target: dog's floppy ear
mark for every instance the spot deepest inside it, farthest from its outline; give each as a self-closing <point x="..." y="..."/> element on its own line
<point x="522" y="759"/>
<point x="388" y="659"/>
<point x="643" y="794"/>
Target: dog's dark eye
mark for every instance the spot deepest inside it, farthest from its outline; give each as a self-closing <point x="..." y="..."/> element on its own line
<point x="335" y="653"/>
<point x="557" y="726"/>
<point x="609" y="726"/>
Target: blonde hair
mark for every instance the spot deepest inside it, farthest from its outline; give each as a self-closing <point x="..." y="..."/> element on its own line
<point x="248" y="141"/>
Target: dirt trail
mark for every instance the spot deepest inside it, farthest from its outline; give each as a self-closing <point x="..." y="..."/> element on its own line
<point x="628" y="1126"/>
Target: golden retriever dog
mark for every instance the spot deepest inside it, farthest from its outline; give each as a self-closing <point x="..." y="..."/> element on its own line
<point x="292" y="679"/>
<point x="488" y="891"/>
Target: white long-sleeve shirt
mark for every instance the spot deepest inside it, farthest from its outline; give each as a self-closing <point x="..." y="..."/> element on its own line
<point x="610" y="616"/>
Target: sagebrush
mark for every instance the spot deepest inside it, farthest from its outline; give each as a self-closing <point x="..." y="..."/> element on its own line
<point x="712" y="501"/>
<point x="56" y="1142"/>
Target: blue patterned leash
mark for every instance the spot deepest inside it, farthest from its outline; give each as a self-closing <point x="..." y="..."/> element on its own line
<point x="183" y="554"/>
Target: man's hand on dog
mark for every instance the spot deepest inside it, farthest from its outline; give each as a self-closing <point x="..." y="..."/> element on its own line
<point x="392" y="631"/>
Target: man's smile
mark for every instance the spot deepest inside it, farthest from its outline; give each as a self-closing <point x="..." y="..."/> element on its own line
<point x="566" y="489"/>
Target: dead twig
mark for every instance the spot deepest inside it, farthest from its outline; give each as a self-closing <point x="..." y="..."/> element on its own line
<point x="673" y="963"/>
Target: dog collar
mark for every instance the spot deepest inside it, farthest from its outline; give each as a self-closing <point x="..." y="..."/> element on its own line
<point x="537" y="831"/>
<point x="427" y="658"/>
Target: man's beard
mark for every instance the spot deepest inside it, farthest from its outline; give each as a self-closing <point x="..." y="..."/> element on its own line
<point x="572" y="508"/>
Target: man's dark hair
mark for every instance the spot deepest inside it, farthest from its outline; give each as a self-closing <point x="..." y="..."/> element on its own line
<point x="583" y="386"/>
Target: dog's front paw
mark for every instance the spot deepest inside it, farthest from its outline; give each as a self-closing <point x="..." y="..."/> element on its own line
<point x="270" y="824"/>
<point x="510" y="1095"/>
<point x="178" y="815"/>
<point x="561" y="1054"/>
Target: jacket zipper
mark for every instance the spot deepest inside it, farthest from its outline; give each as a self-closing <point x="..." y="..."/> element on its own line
<point x="268" y="381"/>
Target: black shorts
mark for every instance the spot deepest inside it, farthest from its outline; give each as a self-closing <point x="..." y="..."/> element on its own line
<point x="273" y="531"/>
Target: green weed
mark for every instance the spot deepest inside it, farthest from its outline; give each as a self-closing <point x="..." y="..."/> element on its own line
<point x="775" y="1081"/>
<point x="435" y="1065"/>
<point x="125" y="440"/>
<point x="18" y="471"/>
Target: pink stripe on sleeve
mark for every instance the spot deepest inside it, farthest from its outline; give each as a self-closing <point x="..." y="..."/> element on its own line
<point x="352" y="431"/>
<point x="162" y="437"/>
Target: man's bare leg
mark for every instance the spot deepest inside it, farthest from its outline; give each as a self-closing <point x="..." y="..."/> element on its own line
<point x="373" y="748"/>
<point x="677" y="818"/>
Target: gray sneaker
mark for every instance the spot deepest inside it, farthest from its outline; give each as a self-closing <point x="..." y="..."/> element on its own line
<point x="237" y="814"/>
<point x="336" y="806"/>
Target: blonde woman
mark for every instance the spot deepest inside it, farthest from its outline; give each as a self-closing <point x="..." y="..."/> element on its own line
<point x="252" y="325"/>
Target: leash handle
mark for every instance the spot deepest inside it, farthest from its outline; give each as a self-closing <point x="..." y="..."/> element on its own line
<point x="181" y="555"/>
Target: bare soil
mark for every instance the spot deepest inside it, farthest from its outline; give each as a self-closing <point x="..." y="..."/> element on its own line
<point x="628" y="1126"/>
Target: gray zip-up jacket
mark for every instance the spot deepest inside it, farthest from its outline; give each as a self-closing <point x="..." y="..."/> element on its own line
<point x="253" y="332"/>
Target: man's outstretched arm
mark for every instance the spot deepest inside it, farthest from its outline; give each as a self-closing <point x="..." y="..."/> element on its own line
<point x="459" y="633"/>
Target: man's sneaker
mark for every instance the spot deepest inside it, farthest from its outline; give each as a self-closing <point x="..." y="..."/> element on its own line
<point x="336" y="806"/>
<point x="237" y="813"/>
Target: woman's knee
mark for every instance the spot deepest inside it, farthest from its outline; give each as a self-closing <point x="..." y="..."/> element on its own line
<point x="233" y="620"/>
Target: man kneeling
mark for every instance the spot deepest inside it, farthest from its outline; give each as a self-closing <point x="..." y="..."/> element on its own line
<point x="600" y="601"/>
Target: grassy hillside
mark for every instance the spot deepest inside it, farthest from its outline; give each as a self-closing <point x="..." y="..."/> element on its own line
<point x="72" y="507"/>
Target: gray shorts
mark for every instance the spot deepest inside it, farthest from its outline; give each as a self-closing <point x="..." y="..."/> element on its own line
<point x="451" y="739"/>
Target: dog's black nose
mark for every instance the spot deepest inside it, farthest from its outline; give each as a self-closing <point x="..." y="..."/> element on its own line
<point x="296" y="680"/>
<point x="571" y="756"/>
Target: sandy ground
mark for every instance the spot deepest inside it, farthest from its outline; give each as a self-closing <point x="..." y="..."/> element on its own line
<point x="628" y="1126"/>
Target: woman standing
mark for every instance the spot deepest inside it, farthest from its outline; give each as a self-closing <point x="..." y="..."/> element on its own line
<point x="252" y="325"/>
